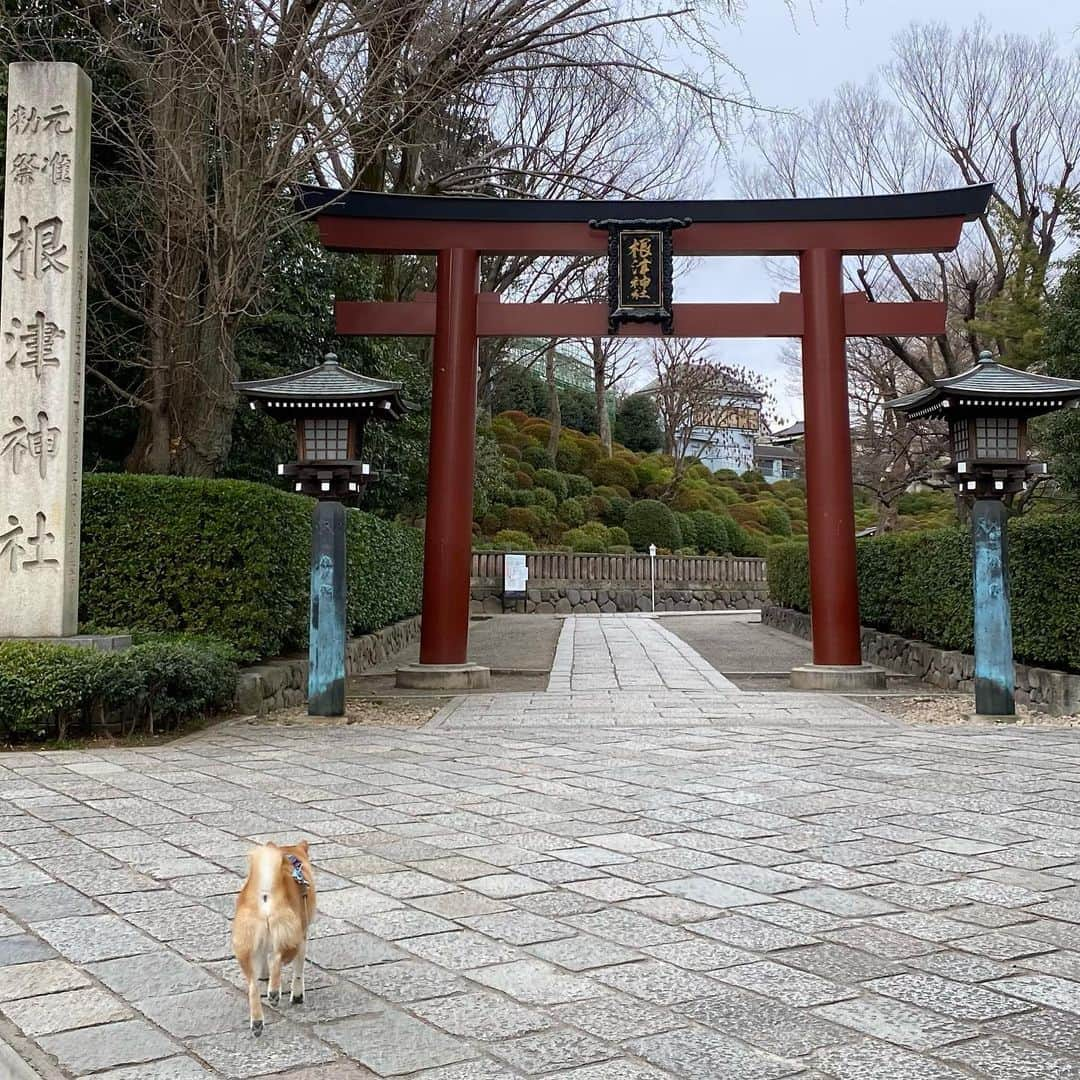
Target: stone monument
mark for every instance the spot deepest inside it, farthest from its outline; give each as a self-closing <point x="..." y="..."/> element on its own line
<point x="42" y="347"/>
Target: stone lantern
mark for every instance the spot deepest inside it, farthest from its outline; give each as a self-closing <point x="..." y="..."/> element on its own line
<point x="331" y="407"/>
<point x="987" y="409"/>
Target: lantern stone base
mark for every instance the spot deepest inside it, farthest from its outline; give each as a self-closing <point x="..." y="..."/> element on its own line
<point x="444" y="677"/>
<point x="97" y="642"/>
<point x="838" y="678"/>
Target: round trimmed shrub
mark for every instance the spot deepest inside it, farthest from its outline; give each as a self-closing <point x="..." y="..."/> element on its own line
<point x="619" y="507"/>
<point x="537" y="457"/>
<point x="711" y="532"/>
<point x="495" y="518"/>
<point x="598" y="507"/>
<point x="550" y="479"/>
<point x="523" y="480"/>
<point x="573" y="512"/>
<point x="618" y="537"/>
<point x="545" y="497"/>
<point x="580" y="540"/>
<point x="651" y="522"/>
<point x="688" y="530"/>
<point x="568" y="456"/>
<point x="615" y="472"/>
<point x="510" y="453"/>
<point x="523" y="519"/>
<point x="577" y="485"/>
<point x="512" y="540"/>
<point x="776" y="520"/>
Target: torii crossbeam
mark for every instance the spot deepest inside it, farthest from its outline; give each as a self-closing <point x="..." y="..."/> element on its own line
<point x="819" y="231"/>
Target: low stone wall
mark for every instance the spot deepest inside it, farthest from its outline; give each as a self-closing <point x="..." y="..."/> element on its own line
<point x="279" y="684"/>
<point x="568" y="599"/>
<point x="1056" y="692"/>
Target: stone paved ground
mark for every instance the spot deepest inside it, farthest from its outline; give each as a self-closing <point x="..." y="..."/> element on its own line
<point x="709" y="892"/>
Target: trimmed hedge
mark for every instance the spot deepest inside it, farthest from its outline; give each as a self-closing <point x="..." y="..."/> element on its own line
<point x="160" y="681"/>
<point x="918" y="585"/>
<point x="231" y="560"/>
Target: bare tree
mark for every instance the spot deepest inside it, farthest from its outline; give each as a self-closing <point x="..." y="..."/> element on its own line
<point x="703" y="404"/>
<point x="224" y="108"/>
<point x="956" y="108"/>
<point x="951" y="108"/>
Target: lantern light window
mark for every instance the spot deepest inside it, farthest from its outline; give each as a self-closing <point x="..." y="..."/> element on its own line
<point x="326" y="438"/>
<point x="997" y="436"/>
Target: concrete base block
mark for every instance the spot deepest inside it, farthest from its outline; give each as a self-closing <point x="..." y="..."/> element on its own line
<point x="993" y="718"/>
<point x="838" y="678"/>
<point x="444" y="677"/>
<point x="97" y="642"/>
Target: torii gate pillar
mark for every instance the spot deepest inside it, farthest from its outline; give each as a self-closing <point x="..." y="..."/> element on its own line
<point x="444" y="626"/>
<point x="830" y="508"/>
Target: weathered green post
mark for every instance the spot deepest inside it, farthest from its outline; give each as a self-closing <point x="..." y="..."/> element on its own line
<point x="330" y="406"/>
<point x="987" y="408"/>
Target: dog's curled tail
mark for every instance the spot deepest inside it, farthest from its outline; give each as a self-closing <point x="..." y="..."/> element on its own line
<point x="265" y="874"/>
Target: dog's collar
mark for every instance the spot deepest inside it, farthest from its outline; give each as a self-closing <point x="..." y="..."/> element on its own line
<point x="298" y="872"/>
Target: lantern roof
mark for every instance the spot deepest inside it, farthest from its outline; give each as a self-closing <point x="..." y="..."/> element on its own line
<point x="327" y="385"/>
<point x="989" y="385"/>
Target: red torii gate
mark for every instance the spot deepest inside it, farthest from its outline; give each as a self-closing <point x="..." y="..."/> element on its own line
<point x="819" y="231"/>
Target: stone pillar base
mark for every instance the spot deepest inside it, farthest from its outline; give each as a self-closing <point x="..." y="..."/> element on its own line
<point x="838" y="678"/>
<point x="444" y="677"/>
<point x="97" y="642"/>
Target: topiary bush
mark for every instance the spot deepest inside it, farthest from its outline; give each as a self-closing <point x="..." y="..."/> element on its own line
<point x="651" y="522"/>
<point x="512" y="540"/>
<point x="776" y="520"/>
<point x="618" y="508"/>
<point x="573" y="512"/>
<point x="577" y="485"/>
<point x="523" y="519"/>
<point x="711" y="532"/>
<point x="581" y="541"/>
<point x="614" y="472"/>
<point x="230" y="560"/>
<point x="545" y="497"/>
<point x="537" y="457"/>
<point x="523" y="480"/>
<point x="550" y="479"/>
<point x="687" y="530"/>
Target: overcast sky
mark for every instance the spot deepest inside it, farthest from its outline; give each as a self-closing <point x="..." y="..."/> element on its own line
<point x="789" y="65"/>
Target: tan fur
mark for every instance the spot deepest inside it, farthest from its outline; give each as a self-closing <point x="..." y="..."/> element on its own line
<point x="271" y="923"/>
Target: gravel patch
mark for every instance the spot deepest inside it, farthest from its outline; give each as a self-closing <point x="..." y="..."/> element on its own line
<point x="959" y="709"/>
<point x="394" y="712"/>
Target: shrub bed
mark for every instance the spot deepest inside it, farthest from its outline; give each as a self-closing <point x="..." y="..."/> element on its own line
<point x="230" y="559"/>
<point x="162" y="680"/>
<point x="918" y="585"/>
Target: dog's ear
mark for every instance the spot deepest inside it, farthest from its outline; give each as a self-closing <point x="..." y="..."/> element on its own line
<point x="303" y="845"/>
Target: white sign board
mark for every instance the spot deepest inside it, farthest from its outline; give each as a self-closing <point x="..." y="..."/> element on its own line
<point x="515" y="573"/>
<point x="42" y="330"/>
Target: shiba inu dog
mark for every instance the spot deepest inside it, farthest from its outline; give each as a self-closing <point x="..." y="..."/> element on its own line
<point x="273" y="912"/>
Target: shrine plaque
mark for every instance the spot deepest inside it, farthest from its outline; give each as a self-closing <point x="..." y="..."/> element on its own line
<point x="641" y="268"/>
<point x="42" y="347"/>
<point x="639" y="271"/>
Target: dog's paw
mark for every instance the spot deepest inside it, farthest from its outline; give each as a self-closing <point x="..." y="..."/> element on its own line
<point x="256" y="1028"/>
<point x="274" y="997"/>
<point x="296" y="999"/>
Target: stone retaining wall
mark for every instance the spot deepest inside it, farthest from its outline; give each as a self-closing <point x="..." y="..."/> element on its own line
<point x="279" y="684"/>
<point x="576" y="600"/>
<point x="1056" y="692"/>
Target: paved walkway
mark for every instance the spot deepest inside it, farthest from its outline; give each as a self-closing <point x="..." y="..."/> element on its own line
<point x="701" y="899"/>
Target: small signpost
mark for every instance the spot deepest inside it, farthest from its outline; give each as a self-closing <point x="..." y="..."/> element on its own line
<point x="515" y="577"/>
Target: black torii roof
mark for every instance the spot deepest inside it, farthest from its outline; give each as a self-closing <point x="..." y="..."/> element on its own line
<point x="989" y="385"/>
<point x="328" y="385"/>
<point x="965" y="202"/>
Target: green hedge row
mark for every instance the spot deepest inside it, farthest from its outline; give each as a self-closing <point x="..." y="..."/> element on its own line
<point x="48" y="690"/>
<point x="918" y="585"/>
<point x="229" y="559"/>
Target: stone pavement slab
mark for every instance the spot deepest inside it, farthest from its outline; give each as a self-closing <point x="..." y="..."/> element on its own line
<point x="714" y="886"/>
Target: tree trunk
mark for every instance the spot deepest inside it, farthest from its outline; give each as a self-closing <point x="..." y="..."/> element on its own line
<point x="554" y="410"/>
<point x="603" y="418"/>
